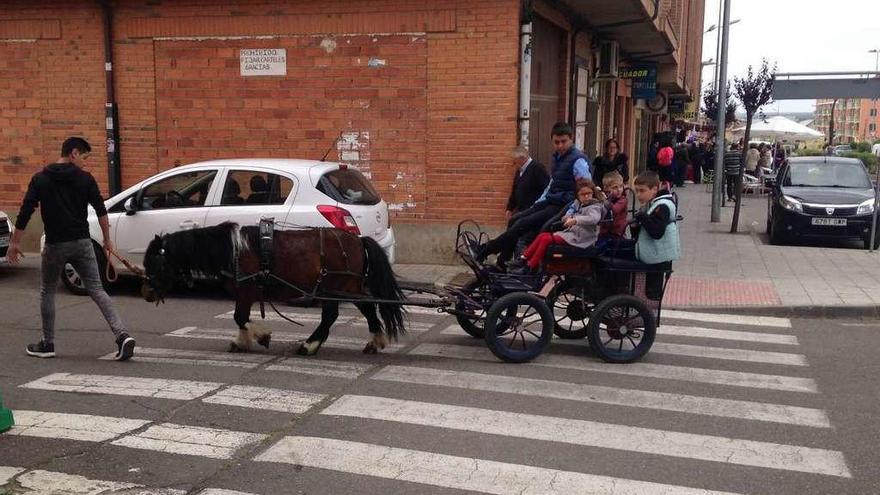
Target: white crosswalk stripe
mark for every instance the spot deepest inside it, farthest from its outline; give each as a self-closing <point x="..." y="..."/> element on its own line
<point x="641" y="369"/>
<point x="590" y="433"/>
<point x="320" y="367"/>
<point x="462" y="473"/>
<point x="313" y="319"/>
<point x="269" y="399"/>
<point x="708" y="406"/>
<point x="335" y="341"/>
<point x="82" y="427"/>
<point x="41" y="482"/>
<point x="199" y="358"/>
<point x="124" y="385"/>
<point x="214" y="443"/>
<point x="691" y="350"/>
<point x="728" y="319"/>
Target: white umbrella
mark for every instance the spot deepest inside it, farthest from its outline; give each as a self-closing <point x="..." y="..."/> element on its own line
<point x="780" y="127"/>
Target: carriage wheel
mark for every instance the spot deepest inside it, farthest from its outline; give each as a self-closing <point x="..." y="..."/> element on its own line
<point x="621" y="329"/>
<point x="474" y="322"/>
<point x="571" y="311"/>
<point x="519" y="327"/>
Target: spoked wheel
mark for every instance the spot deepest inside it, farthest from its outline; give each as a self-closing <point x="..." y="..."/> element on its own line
<point x="474" y="321"/>
<point x="571" y="311"/>
<point x="621" y="329"/>
<point x="519" y="327"/>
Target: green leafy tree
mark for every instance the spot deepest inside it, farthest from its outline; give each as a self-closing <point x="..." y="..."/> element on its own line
<point x="754" y="91"/>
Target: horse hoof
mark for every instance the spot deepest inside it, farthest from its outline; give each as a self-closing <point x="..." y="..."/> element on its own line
<point x="233" y="347"/>
<point x="264" y="340"/>
<point x="308" y="348"/>
<point x="370" y="349"/>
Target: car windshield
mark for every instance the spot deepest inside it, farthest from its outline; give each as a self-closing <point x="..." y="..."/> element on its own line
<point x="850" y="175"/>
<point x="348" y="186"/>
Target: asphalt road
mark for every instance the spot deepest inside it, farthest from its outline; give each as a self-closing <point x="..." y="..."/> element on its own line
<point x="735" y="405"/>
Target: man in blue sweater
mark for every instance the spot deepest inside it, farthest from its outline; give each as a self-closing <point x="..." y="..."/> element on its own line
<point x="569" y="165"/>
<point x="63" y="191"/>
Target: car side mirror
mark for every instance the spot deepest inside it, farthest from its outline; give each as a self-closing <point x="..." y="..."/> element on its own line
<point x="129" y="206"/>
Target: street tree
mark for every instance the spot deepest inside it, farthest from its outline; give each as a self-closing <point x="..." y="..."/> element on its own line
<point x="753" y="91"/>
<point x="710" y="106"/>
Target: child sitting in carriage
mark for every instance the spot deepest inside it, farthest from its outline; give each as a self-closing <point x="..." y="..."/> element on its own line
<point x="613" y="229"/>
<point x="581" y="223"/>
<point x="656" y="237"/>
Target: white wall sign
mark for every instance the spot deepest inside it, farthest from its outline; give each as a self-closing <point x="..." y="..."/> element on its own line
<point x="263" y="62"/>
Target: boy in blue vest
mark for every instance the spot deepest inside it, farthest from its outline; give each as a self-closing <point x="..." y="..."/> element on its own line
<point x="656" y="237"/>
<point x="569" y="166"/>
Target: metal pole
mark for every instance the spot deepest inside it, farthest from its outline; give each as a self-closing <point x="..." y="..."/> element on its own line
<point x="722" y="103"/>
<point x="525" y="82"/>
<point x="718" y="45"/>
<point x="874" y="222"/>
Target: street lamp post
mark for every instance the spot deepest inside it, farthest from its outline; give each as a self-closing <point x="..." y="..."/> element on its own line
<point x="720" y="121"/>
<point x="876" y="53"/>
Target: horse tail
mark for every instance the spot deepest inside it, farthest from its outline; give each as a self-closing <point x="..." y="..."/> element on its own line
<point x="383" y="285"/>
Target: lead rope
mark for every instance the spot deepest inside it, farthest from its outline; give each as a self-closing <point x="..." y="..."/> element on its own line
<point x="110" y="272"/>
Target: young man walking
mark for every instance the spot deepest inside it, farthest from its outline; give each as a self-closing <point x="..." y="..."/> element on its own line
<point x="63" y="191"/>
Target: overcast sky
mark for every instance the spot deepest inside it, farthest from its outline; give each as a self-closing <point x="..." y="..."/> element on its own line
<point x="800" y="35"/>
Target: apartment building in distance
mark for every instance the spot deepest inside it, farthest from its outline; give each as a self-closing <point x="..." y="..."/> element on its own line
<point x="855" y="119"/>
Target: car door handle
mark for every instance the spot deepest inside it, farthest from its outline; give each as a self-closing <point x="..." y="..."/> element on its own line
<point x="189" y="224"/>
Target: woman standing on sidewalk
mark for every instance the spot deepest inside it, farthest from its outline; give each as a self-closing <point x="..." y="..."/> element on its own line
<point x="613" y="160"/>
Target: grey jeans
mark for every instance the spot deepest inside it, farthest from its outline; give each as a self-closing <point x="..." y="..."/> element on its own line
<point x="81" y="255"/>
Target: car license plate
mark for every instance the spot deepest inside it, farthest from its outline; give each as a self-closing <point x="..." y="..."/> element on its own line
<point x="834" y="222"/>
<point x="4" y="241"/>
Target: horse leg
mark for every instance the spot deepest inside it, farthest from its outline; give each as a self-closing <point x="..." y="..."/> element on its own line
<point x="329" y="313"/>
<point x="378" y="342"/>
<point x="242" y="316"/>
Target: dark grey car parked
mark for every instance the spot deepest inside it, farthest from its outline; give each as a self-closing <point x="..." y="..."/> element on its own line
<point x="821" y="197"/>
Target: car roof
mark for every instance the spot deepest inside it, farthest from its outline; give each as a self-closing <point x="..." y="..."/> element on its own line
<point x="290" y="164"/>
<point x="824" y="159"/>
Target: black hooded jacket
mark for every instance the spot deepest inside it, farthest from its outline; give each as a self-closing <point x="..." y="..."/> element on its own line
<point x="63" y="192"/>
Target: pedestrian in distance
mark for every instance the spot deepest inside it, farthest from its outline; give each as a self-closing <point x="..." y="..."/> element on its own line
<point x="732" y="164"/>
<point x="664" y="161"/>
<point x="63" y="191"/>
<point x="613" y="160"/>
<point x="753" y="156"/>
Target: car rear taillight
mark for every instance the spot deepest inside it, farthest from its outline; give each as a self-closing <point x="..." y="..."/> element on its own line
<point x="340" y="218"/>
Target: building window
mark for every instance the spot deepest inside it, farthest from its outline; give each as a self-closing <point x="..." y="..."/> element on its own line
<point x="873" y="112"/>
<point x="872" y="127"/>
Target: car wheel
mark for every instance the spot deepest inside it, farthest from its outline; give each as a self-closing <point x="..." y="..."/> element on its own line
<point x="867" y="241"/>
<point x="74" y="282"/>
<point x="775" y="234"/>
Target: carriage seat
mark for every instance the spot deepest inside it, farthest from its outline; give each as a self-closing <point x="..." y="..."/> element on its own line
<point x="558" y="251"/>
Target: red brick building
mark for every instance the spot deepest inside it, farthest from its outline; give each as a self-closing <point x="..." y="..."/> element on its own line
<point x="425" y="94"/>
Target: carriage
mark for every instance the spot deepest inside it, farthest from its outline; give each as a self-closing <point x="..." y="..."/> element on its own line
<point x="614" y="303"/>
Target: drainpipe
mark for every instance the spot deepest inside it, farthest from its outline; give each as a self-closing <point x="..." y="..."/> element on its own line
<point x="572" y="70"/>
<point x="525" y="81"/>
<point x="111" y="114"/>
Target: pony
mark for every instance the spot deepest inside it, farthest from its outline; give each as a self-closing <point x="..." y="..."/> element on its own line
<point x="319" y="262"/>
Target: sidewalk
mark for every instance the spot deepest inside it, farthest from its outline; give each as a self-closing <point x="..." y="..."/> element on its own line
<point x="720" y="271"/>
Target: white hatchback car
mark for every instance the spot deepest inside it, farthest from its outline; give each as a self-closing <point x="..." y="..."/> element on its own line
<point x="5" y="234"/>
<point x="300" y="192"/>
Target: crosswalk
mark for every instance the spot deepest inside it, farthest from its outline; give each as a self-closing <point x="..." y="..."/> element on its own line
<point x="717" y="394"/>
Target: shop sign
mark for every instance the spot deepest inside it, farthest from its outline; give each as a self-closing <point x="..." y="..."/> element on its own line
<point x="263" y="62"/>
<point x="644" y="80"/>
<point x="688" y="112"/>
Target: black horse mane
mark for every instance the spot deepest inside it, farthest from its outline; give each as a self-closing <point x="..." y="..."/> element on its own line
<point x="208" y="250"/>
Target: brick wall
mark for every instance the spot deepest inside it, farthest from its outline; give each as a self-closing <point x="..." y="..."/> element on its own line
<point x="432" y="118"/>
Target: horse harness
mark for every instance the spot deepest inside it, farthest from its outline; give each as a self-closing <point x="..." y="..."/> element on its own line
<point x="265" y="276"/>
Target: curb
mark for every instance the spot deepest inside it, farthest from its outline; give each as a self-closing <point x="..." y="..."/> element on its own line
<point x="865" y="311"/>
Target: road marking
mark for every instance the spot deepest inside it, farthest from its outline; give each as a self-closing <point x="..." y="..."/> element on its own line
<point x="593" y="434"/>
<point x="82" y="427"/>
<point x="269" y="399"/>
<point x="219" y="491"/>
<point x="9" y="472"/>
<point x="198" y="358"/>
<point x="49" y="482"/>
<point x="320" y="367"/>
<point x="160" y="388"/>
<point x="643" y="370"/>
<point x="754" y="411"/>
<point x="714" y="333"/>
<point x="190" y="440"/>
<point x="728" y="354"/>
<point x="315" y="318"/>
<point x="335" y="342"/>
<point x="448" y="471"/>
<point x="759" y="321"/>
<point x="680" y="331"/>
